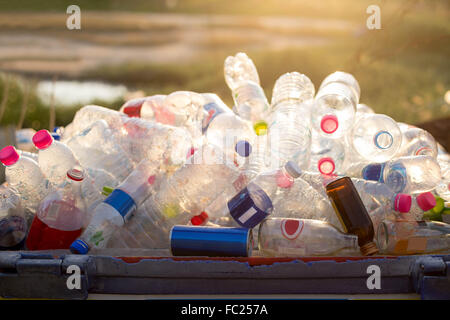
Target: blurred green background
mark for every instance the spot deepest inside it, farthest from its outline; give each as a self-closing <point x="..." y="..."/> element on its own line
<point x="147" y="47"/>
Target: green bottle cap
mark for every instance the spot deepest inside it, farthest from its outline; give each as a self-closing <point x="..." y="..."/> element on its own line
<point x="439" y="205"/>
<point x="107" y="191"/>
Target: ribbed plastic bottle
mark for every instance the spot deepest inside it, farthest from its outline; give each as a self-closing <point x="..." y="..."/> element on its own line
<point x="96" y="148"/>
<point x="253" y="203"/>
<point x="24" y="174"/>
<point x="290" y="135"/>
<point x="117" y="208"/>
<point x="13" y="223"/>
<point x="417" y="142"/>
<point x="281" y="237"/>
<point x="327" y="155"/>
<point x="55" y="158"/>
<point x="406" y="174"/>
<point x="60" y="216"/>
<point x="413" y="237"/>
<point x="242" y="78"/>
<point x="420" y="204"/>
<point x="375" y="137"/>
<point x="335" y="105"/>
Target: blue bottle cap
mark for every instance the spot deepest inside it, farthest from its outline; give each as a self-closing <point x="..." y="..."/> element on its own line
<point x="210" y="241"/>
<point x="243" y="148"/>
<point x="79" y="247"/>
<point x="56" y="136"/>
<point x="373" y="172"/>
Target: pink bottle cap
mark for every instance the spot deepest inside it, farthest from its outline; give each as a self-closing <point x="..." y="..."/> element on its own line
<point x="402" y="202"/>
<point x="42" y="139"/>
<point x="329" y="123"/>
<point x="151" y="179"/>
<point x="75" y="174"/>
<point x="9" y="155"/>
<point x="199" y="219"/>
<point x="326" y="166"/>
<point x="426" y="201"/>
<point x="284" y="180"/>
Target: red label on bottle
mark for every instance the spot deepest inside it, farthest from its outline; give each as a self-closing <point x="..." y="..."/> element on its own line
<point x="291" y="229"/>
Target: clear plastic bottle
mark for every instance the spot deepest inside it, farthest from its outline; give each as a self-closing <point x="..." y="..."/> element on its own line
<point x="233" y="135"/>
<point x="280" y="237"/>
<point x="290" y="135"/>
<point x="24" y="174"/>
<point x="375" y="137"/>
<point x="117" y="208"/>
<point x="140" y="138"/>
<point x="413" y="237"/>
<point x="417" y="142"/>
<point x="60" y="216"/>
<point x="327" y="155"/>
<point x="334" y="107"/>
<point x="242" y="78"/>
<point x="92" y="186"/>
<point x="406" y="174"/>
<point x="254" y="202"/>
<point x="345" y="78"/>
<point x="363" y="108"/>
<point x="13" y="223"/>
<point x="213" y="106"/>
<point x="420" y="203"/>
<point x="55" y="158"/>
<point x="96" y="148"/>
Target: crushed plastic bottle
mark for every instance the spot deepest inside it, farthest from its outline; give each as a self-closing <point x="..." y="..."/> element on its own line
<point x="13" y="223"/>
<point x="417" y="142"/>
<point x="25" y="175"/>
<point x="242" y="78"/>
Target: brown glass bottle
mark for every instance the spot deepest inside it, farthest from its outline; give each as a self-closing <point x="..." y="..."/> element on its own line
<point x="352" y="213"/>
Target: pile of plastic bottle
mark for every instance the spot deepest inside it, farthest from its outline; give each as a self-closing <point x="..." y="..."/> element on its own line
<point x="313" y="172"/>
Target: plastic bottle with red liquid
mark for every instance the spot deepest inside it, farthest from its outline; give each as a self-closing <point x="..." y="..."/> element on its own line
<point x="60" y="216"/>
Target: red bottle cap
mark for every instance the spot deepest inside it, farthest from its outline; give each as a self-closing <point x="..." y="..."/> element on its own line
<point x="9" y="155"/>
<point x="75" y="174"/>
<point x="42" y="139"/>
<point x="426" y="201"/>
<point x="402" y="202"/>
<point x="326" y="165"/>
<point x="199" y="219"/>
<point x="329" y="123"/>
<point x="133" y="111"/>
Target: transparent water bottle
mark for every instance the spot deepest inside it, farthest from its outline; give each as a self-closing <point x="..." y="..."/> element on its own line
<point x="253" y="203"/>
<point x="55" y="158"/>
<point x="233" y="135"/>
<point x="413" y="237"/>
<point x="281" y="237"/>
<point x="344" y="78"/>
<point x="417" y="142"/>
<point x="363" y="108"/>
<point x="213" y="106"/>
<point x="96" y="148"/>
<point x="13" y="223"/>
<point x="290" y="135"/>
<point x="60" y="216"/>
<point x="334" y="107"/>
<point x="375" y="137"/>
<point x="117" y="208"/>
<point x="406" y="174"/>
<point x="327" y="155"/>
<point x="420" y="203"/>
<point x="242" y="78"/>
<point x="24" y="175"/>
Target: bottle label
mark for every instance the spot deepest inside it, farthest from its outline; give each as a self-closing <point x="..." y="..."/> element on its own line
<point x="291" y="229"/>
<point x="213" y="111"/>
<point x="12" y="231"/>
<point x="122" y="202"/>
<point x="244" y="210"/>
